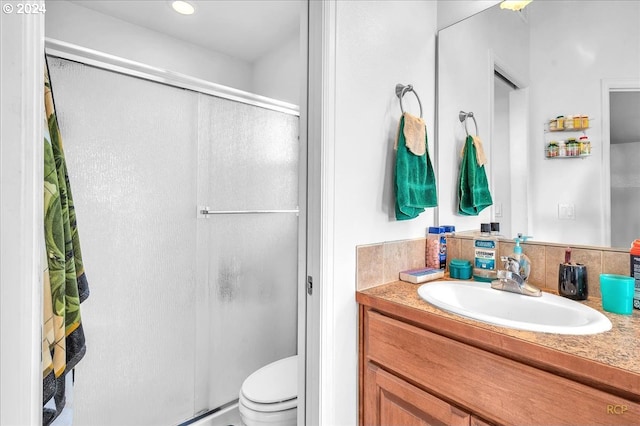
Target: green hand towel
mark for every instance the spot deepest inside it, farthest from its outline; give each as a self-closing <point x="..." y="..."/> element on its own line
<point x="473" y="187"/>
<point x="415" y="182"/>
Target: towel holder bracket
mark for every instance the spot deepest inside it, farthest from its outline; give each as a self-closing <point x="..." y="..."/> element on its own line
<point x="462" y="116"/>
<point x="401" y="90"/>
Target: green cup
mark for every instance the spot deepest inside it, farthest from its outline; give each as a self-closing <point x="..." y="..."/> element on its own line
<point x="617" y="293"/>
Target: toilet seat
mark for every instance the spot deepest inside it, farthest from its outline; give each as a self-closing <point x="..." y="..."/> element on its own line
<point x="277" y="418"/>
<point x="268" y="408"/>
<point x="272" y="388"/>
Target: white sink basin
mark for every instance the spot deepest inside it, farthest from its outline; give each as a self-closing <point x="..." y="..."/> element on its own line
<point x="548" y="313"/>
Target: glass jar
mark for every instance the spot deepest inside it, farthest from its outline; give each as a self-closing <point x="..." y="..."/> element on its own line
<point x="562" y="149"/>
<point x="568" y="122"/>
<point x="552" y="149"/>
<point x="572" y="147"/>
<point x="585" y="121"/>
<point x="585" y="145"/>
<point x="577" y="122"/>
<point x="553" y="125"/>
<point x="560" y="122"/>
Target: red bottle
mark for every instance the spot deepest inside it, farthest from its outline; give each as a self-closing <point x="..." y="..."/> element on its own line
<point x="635" y="271"/>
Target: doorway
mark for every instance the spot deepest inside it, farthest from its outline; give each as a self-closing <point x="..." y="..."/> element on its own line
<point x="217" y="290"/>
<point x="194" y="95"/>
<point x="509" y="154"/>
<point x="624" y="157"/>
<point x="502" y="152"/>
<point x="619" y="103"/>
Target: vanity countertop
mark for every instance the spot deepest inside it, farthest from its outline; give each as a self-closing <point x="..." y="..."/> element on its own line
<point x="610" y="360"/>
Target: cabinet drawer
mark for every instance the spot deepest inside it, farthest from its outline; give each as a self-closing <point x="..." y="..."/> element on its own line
<point x="496" y="388"/>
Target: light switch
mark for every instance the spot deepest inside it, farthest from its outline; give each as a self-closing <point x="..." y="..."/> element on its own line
<point x="566" y="211"/>
<point x="497" y="209"/>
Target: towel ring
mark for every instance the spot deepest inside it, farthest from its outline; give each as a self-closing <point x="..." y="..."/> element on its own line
<point x="401" y="89"/>
<point x="463" y="119"/>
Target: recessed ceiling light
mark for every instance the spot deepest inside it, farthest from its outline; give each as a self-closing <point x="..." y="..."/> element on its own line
<point x="182" y="7"/>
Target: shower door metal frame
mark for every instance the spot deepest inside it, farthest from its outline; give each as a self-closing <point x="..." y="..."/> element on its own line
<point x="113" y="63"/>
<point x="117" y="64"/>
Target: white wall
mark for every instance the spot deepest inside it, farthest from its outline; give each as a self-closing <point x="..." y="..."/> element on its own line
<point x="588" y="44"/>
<point x="467" y="52"/>
<point x="379" y="44"/>
<point x="277" y="74"/>
<point x="79" y="25"/>
<point x="450" y="12"/>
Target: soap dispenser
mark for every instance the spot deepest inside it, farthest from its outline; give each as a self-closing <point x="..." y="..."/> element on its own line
<point x="523" y="259"/>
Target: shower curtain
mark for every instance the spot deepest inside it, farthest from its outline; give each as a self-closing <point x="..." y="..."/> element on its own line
<point x="64" y="281"/>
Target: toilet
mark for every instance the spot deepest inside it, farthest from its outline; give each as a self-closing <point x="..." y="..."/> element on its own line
<point x="269" y="396"/>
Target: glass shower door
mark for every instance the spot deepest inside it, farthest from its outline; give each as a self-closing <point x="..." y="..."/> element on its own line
<point x="183" y="306"/>
<point x="248" y="159"/>
<point x="131" y="148"/>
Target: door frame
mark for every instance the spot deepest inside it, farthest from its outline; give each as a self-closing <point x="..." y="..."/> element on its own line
<point x="21" y="264"/>
<point x="320" y="108"/>
<point x="21" y="217"/>
<point x="608" y="86"/>
<point x="519" y="136"/>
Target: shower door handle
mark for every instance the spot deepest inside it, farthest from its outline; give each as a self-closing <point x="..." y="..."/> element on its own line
<point x="206" y="212"/>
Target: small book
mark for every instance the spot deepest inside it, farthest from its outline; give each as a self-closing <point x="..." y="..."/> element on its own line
<point x="421" y="275"/>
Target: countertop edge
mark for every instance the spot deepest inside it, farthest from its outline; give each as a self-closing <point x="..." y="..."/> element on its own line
<point x="608" y="378"/>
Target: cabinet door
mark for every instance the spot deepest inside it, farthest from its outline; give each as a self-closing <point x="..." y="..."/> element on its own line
<point x="390" y="400"/>
<point x="478" y="422"/>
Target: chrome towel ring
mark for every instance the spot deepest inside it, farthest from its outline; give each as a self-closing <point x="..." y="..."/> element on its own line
<point x="401" y="89"/>
<point x="463" y="119"/>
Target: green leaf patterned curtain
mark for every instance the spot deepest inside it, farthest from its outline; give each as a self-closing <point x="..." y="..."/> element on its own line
<point x="64" y="282"/>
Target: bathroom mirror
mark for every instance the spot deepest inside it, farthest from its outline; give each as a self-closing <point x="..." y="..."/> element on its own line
<point x="516" y="71"/>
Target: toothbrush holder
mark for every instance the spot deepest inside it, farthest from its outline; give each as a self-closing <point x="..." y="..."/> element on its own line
<point x="572" y="282"/>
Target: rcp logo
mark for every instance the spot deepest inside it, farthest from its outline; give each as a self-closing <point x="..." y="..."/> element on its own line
<point x="616" y="409"/>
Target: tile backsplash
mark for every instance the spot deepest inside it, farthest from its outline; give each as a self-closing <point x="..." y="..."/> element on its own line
<point x="381" y="263"/>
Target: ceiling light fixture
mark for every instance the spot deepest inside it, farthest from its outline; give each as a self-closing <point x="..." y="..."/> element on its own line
<point x="514" y="5"/>
<point x="183" y="7"/>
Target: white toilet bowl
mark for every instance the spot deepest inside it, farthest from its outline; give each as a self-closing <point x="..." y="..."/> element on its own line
<point x="269" y="396"/>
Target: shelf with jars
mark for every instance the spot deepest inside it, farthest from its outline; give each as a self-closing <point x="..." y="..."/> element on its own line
<point x="568" y="123"/>
<point x="571" y="147"/>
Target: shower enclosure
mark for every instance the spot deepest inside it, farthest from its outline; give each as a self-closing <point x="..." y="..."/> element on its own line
<point x="187" y="212"/>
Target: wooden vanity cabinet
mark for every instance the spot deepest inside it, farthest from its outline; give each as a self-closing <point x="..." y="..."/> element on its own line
<point x="410" y="375"/>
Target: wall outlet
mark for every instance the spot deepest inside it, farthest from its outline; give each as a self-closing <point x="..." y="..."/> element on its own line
<point x="566" y="211"/>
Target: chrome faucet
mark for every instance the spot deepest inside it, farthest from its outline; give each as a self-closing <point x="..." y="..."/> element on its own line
<point x="509" y="279"/>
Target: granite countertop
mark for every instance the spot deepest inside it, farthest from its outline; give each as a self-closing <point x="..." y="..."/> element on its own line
<point x="618" y="347"/>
